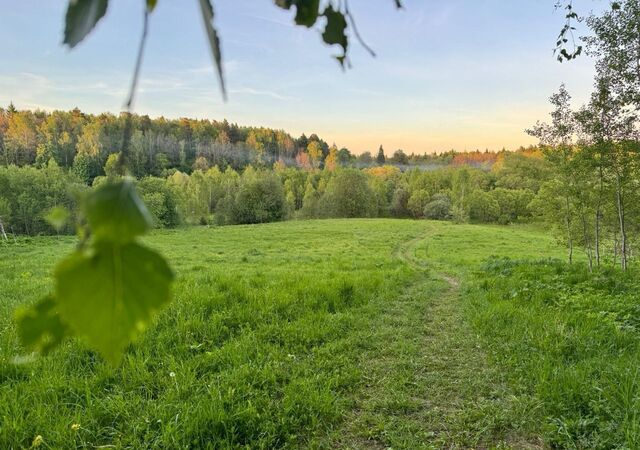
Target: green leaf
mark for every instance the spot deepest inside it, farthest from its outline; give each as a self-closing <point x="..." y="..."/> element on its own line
<point x="116" y="213"/>
<point x="110" y="294"/>
<point x="151" y="5"/>
<point x="214" y="41"/>
<point x="334" y="31"/>
<point x="82" y="16"/>
<point x="307" y="11"/>
<point x="40" y="327"/>
<point x="57" y="217"/>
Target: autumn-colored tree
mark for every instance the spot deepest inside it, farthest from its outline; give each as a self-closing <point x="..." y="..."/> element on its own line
<point x="201" y="163"/>
<point x="331" y="161"/>
<point x="314" y="150"/>
<point x="20" y="139"/>
<point x="303" y="161"/>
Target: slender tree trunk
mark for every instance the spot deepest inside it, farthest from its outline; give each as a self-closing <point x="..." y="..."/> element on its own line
<point x="4" y="235"/>
<point x="597" y="237"/>
<point x="615" y="248"/>
<point x="210" y="199"/>
<point x="599" y="216"/>
<point x="587" y="241"/>
<point x="4" y="153"/>
<point x="25" y="222"/>
<point x="621" y="219"/>
<point x="569" y="235"/>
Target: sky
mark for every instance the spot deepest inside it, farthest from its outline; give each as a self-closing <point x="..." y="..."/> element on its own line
<point x="449" y="74"/>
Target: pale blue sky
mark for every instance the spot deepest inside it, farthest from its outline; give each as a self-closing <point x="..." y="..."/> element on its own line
<point x="461" y="74"/>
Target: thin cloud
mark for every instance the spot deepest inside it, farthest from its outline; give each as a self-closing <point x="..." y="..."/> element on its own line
<point x="269" y="20"/>
<point x="39" y="84"/>
<point x="230" y="66"/>
<point x="258" y="92"/>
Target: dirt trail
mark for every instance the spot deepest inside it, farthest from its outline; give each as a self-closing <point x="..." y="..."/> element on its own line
<point x="429" y="384"/>
<point x="406" y="253"/>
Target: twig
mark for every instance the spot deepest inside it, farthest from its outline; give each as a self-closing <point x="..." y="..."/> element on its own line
<point x="136" y="72"/>
<point x="352" y="21"/>
<point x="123" y="160"/>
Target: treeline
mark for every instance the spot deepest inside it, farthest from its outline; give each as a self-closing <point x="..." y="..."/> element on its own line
<point x="504" y="194"/>
<point x="83" y="143"/>
<point x="592" y="198"/>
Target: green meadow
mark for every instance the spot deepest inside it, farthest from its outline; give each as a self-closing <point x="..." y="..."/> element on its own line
<point x="359" y="333"/>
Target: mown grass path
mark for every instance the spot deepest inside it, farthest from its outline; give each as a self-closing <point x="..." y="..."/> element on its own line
<point x="430" y="385"/>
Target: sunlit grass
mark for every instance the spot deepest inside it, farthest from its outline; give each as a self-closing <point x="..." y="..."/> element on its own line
<point x="297" y="334"/>
<point x="569" y="341"/>
<point x="257" y="348"/>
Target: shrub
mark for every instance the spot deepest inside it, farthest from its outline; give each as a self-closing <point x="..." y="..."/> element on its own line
<point x="417" y="202"/>
<point x="439" y="208"/>
<point x="513" y="204"/>
<point x="348" y="195"/>
<point x="399" y="202"/>
<point x="260" y="199"/>
<point x="483" y="207"/>
<point x="160" y="200"/>
<point x="30" y="193"/>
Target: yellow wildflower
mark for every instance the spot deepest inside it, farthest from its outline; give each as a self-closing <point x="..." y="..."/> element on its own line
<point x="37" y="441"/>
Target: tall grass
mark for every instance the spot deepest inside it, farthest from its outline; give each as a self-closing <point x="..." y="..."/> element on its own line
<point x="257" y="350"/>
<point x="571" y="341"/>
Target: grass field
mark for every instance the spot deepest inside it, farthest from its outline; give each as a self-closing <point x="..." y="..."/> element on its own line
<point x="337" y="333"/>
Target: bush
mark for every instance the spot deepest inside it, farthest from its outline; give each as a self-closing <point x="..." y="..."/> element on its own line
<point x="310" y="202"/>
<point x="399" y="202"/>
<point x="417" y="202"/>
<point x="459" y="214"/>
<point x="439" y="208"/>
<point x="260" y="199"/>
<point x="348" y="195"/>
<point x="513" y="204"/>
<point x="86" y="168"/>
<point x="483" y="207"/>
<point x="160" y="200"/>
<point x="29" y="194"/>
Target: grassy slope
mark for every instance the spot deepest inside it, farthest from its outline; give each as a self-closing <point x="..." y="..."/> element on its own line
<point x="315" y="333"/>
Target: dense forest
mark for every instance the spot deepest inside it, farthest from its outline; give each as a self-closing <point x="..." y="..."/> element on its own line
<point x="202" y="172"/>
<point x="83" y="143"/>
